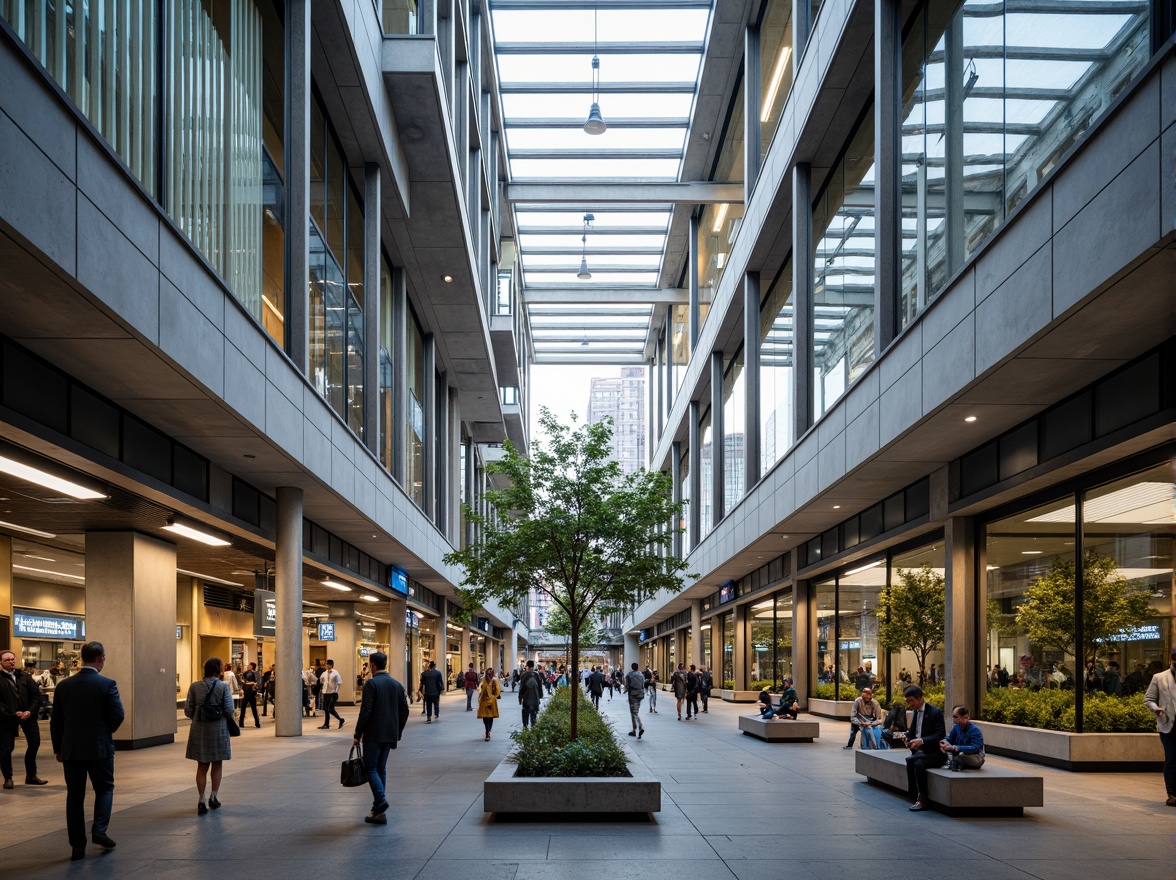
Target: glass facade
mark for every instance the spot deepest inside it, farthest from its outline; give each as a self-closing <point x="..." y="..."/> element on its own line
<point x="679" y="348"/>
<point x="777" y="335"/>
<point x="386" y="368"/>
<point x="843" y="272"/>
<point x="706" y="463"/>
<point x="994" y="96"/>
<point x="776" y="67"/>
<point x="718" y="225"/>
<point x="399" y="16"/>
<point x="726" y="624"/>
<point x="734" y="408"/>
<point x="414" y="428"/>
<point x="689" y="539"/>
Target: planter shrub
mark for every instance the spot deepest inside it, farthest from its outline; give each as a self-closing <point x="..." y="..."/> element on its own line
<point x="1055" y="710"/>
<point x="933" y="694"/>
<point x="547" y="748"/>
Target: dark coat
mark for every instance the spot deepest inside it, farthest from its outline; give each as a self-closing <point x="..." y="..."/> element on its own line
<point x="596" y="683"/>
<point x="432" y="683"/>
<point x="86" y="713"/>
<point x="529" y="697"/>
<point x="934" y="730"/>
<point x="21" y="695"/>
<point x="383" y="710"/>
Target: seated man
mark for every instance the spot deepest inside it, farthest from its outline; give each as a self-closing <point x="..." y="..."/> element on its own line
<point x="926" y="731"/>
<point x="867" y="717"/>
<point x="894" y="725"/>
<point x="789" y="704"/>
<point x="964" y="746"/>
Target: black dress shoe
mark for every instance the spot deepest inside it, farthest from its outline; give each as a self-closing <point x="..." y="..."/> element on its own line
<point x="79" y="853"/>
<point x="201" y="808"/>
<point x="213" y="803"/>
<point x="374" y="819"/>
<point x="8" y="782"/>
<point x="102" y="840"/>
<point x="341" y="722"/>
<point x="36" y="780"/>
<point x="324" y="727"/>
<point x="380" y="808"/>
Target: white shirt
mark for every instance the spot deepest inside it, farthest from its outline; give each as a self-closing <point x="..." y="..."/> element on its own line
<point x="331" y="681"/>
<point x="231" y="681"/>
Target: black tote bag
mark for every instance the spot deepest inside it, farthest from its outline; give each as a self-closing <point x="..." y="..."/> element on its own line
<point x="352" y="774"/>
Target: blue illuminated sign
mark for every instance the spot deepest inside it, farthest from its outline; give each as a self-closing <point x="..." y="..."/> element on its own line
<point x="326" y="632"/>
<point x="28" y="625"/>
<point x="398" y="579"/>
<point x="727" y="592"/>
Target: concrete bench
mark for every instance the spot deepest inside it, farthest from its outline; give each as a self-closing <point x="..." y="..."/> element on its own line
<point x="779" y="731"/>
<point x="989" y="789"/>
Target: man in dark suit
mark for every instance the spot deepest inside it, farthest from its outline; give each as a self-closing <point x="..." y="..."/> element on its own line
<point x="20" y="702"/>
<point x="383" y="713"/>
<point x="86" y="713"/>
<point x="923" y="736"/>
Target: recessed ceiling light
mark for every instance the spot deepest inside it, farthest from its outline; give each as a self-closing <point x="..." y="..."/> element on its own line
<point x="448" y="279"/>
<point x="60" y="574"/>
<point x="1032" y="552"/>
<point x="969" y="418"/>
<point x="335" y="585"/>
<point x="368" y="598"/>
<point x="196" y="534"/>
<point x="837" y="507"/>
<point x="49" y="481"/>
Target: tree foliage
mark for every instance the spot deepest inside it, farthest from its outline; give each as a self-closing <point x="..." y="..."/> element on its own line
<point x="912" y="613"/>
<point x="570" y="525"/>
<point x="1110" y="604"/>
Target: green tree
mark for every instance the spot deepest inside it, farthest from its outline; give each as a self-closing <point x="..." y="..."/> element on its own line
<point x="1110" y="604"/>
<point x="912" y="613"/>
<point x="571" y="526"/>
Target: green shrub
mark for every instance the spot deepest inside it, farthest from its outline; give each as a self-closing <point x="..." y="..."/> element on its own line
<point x="547" y="748"/>
<point x="933" y="694"/>
<point x="1055" y="710"/>
<point x="760" y="683"/>
<point x="729" y="684"/>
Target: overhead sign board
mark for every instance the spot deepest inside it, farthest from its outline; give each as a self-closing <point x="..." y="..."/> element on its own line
<point x="265" y="613"/>
<point x="398" y="579"/>
<point x="326" y="631"/>
<point x="36" y="625"/>
<point x="727" y="592"/>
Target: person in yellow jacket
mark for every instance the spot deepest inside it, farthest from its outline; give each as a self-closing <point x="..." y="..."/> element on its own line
<point x="488" y="696"/>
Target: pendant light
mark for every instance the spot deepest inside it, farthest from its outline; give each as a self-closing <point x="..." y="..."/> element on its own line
<point x="595" y="122"/>
<point x="584" y="274"/>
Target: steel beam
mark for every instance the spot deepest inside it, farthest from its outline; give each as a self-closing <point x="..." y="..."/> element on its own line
<point x="638" y="122"/>
<point x="604" y="295"/>
<point x="559" y="5"/>
<point x="598" y="153"/>
<point x="652" y="47"/>
<point x="596" y="231"/>
<point x="629" y="192"/>
<point x="586" y="88"/>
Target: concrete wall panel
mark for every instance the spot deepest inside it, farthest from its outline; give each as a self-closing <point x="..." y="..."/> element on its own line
<point x="36" y="197"/>
<point x="861" y="437"/>
<point x="1034" y="226"/>
<point x="101" y="180"/>
<point x="190" y="338"/>
<point x="901" y="405"/>
<point x="33" y="106"/>
<point x="950" y="365"/>
<point x="244" y="386"/>
<point x="1015" y="311"/>
<point x="116" y="271"/>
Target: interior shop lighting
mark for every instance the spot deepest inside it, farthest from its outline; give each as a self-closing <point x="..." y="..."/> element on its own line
<point x="25" y="530"/>
<point x="774" y="83"/>
<point x="209" y="578"/>
<point x="720" y="218"/>
<point x="368" y="598"/>
<point x="72" y="577"/>
<point x="190" y="531"/>
<point x="47" y="480"/>
<point x="862" y="568"/>
<point x="335" y="585"/>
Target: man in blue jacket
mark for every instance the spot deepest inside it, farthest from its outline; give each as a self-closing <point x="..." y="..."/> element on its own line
<point x="383" y="713"/>
<point x="964" y="746"/>
<point x="926" y="731"/>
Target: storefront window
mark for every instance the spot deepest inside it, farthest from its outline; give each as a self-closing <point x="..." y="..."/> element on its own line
<point x="414" y="430"/>
<point x="843" y="272"/>
<point x="727" y="623"/>
<point x="783" y="660"/>
<point x="857" y="640"/>
<point x="706" y="635"/>
<point x="825" y="662"/>
<point x="688" y="537"/>
<point x="1030" y="608"/>
<point x="776" y="342"/>
<point x="761" y="644"/>
<point x="921" y="568"/>
<point x="776" y="67"/>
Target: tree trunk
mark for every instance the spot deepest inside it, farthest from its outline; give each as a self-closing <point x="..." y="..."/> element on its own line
<point x="573" y="678"/>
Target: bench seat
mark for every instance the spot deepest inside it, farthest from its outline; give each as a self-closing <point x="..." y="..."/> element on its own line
<point x="779" y="731"/>
<point x="990" y="789"/>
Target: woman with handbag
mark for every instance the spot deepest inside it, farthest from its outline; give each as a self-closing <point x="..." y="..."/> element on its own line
<point x="488" y="696"/>
<point x="209" y="705"/>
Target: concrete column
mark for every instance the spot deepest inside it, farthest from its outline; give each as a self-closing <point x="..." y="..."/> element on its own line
<point x="400" y="319"/>
<point x="467" y="656"/>
<point x="343" y="651"/>
<point x="718" y="446"/>
<point x="512" y="651"/>
<point x="887" y="170"/>
<point x="962" y="674"/>
<point x="398" y="641"/>
<point x="695" y="461"/>
<point x="802" y="25"/>
<point x="802" y="640"/>
<point x="429" y="405"/>
<point x="695" y="632"/>
<point x="802" y="295"/>
<point x="692" y="276"/>
<point x="632" y="651"/>
<point x="751" y="111"/>
<point x="6" y="589"/>
<point x="454" y="477"/>
<point x="953" y="111"/>
<point x="371" y="306"/>
<point x="427" y="23"/>
<point x="751" y="380"/>
<point x="131" y="610"/>
<point x="676" y="489"/>
<point x="296" y="141"/>
<point x="739" y="661"/>
<point x="441" y="649"/>
<point x="288" y="636"/>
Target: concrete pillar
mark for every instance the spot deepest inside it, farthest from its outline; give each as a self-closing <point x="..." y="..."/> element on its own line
<point x="632" y="651"/>
<point x="296" y="141"/>
<point x="751" y="380"/>
<point x="802" y="295"/>
<point x="288" y="635"/>
<point x="962" y="674"/>
<point x="953" y="147"/>
<point x="802" y="640"/>
<point x="739" y="661"/>
<point x="398" y="641"/>
<point x="888" y="170"/>
<point x="6" y="590"/>
<point x="343" y="651"/>
<point x="718" y="446"/>
<point x="751" y="109"/>
<point x="131" y="610"/>
<point x="695" y="632"/>
<point x="371" y="306"/>
<point x="695" y="459"/>
<point x="802" y="25"/>
<point x="429" y="406"/>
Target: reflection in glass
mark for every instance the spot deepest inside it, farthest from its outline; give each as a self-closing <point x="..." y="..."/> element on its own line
<point x="414" y="430"/>
<point x="843" y="272"/>
<point x="718" y="226"/>
<point x="776" y="67"/>
<point x="734" y="464"/>
<point x="399" y="17"/>
<point x="761" y="644"/>
<point x="825" y="667"/>
<point x="705" y="467"/>
<point x="388" y="351"/>
<point x="727" y="622"/>
<point x="904" y="666"/>
<point x="689" y="539"/>
<point x="777" y="340"/>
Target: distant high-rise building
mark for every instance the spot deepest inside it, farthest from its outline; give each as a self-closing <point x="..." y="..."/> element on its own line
<point x="623" y="399"/>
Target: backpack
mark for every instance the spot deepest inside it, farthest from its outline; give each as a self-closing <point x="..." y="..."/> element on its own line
<point x="207" y="710"/>
<point x="528" y="684"/>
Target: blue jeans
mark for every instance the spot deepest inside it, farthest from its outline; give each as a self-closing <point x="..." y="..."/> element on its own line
<point x="1169" y="743"/>
<point x="375" y="762"/>
<point x="871" y="735"/>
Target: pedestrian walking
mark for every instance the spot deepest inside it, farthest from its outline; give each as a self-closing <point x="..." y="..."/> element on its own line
<point x="488" y="696"/>
<point x="209" y="702"/>
<point x="383" y="714"/>
<point x="530" y="694"/>
<point x="635" y="689"/>
<point x="432" y="684"/>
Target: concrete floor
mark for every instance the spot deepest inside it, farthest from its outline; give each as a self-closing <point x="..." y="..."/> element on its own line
<point x="732" y="807"/>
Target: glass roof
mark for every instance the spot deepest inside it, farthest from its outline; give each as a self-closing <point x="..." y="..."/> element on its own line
<point x="649" y="67"/>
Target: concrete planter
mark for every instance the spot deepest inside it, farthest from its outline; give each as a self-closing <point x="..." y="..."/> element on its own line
<point x="503" y="792"/>
<point x="1113" y="752"/>
<point x="840" y="709"/>
<point x="730" y="696"/>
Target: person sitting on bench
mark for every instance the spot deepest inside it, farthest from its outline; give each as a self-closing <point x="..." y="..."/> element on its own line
<point x="964" y="746"/>
<point x="788" y="706"/>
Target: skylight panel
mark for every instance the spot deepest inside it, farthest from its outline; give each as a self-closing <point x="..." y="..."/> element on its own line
<point x="595" y="169"/>
<point x="577" y="139"/>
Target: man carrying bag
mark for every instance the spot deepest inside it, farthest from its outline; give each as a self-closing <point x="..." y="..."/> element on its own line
<point x="383" y="714"/>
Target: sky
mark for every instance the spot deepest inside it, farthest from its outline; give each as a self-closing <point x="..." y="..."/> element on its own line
<point x="563" y="389"/>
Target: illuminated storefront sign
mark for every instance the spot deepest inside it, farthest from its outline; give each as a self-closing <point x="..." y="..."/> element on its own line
<point x="326" y="632"/>
<point x="32" y="625"/>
